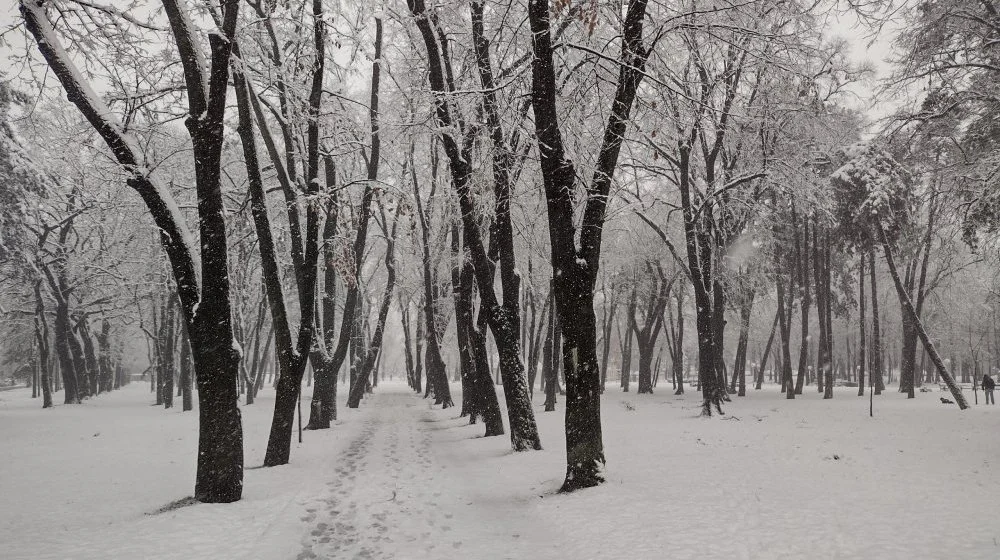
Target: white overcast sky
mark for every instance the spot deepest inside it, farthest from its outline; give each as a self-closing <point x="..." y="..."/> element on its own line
<point x="864" y="47"/>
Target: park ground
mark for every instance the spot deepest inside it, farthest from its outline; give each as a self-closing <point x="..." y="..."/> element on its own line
<point x="399" y="478"/>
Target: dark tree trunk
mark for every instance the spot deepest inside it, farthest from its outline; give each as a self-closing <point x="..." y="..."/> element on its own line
<point x="767" y="352"/>
<point x="574" y="268"/>
<point x="802" y="254"/>
<point x="464" y="322"/>
<point x="42" y="338"/>
<point x="862" y="360"/>
<point x="79" y="363"/>
<point x="676" y="345"/>
<point x="719" y="326"/>
<point x="876" y="350"/>
<point x="484" y="403"/>
<point x="915" y="287"/>
<point x="828" y="317"/>
<point x="404" y="314"/>
<point x="550" y="370"/>
<point x="740" y="367"/>
<point x="626" y="344"/>
<point x="89" y="354"/>
<point x="535" y="338"/>
<point x="648" y="333"/>
<point x="219" y="475"/>
<point x="609" y="308"/>
<point x="437" y="380"/>
<point x="186" y="377"/>
<point x="291" y="362"/>
<point x="105" y="358"/>
<point x="784" y="324"/>
<point x="169" y="320"/>
<point x="323" y="406"/>
<point x="418" y="352"/>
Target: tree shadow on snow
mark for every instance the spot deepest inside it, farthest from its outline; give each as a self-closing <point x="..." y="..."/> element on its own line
<point x="175" y="505"/>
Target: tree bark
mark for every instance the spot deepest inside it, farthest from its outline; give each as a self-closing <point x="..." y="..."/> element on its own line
<point x="876" y="349"/>
<point x="42" y="338"/>
<point x="575" y="267"/>
<point x="802" y="254"/>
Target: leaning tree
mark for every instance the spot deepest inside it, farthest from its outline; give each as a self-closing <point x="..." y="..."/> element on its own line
<point x="875" y="196"/>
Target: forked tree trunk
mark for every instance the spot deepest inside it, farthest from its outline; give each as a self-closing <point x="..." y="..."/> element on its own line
<point x="485" y="403"/>
<point x="503" y="317"/>
<point x="575" y="267"/>
<point x="323" y="406"/>
<point x="676" y="341"/>
<point x="766" y="354"/>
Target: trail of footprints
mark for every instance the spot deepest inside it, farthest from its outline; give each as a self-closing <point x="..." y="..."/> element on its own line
<point x="383" y="500"/>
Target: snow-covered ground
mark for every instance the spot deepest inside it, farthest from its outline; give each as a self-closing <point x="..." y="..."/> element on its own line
<point x="399" y="479"/>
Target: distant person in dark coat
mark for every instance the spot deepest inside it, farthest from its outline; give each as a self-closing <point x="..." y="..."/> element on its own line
<point x="988" y="386"/>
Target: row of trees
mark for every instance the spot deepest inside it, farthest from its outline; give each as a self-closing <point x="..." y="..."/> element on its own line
<point x="695" y="162"/>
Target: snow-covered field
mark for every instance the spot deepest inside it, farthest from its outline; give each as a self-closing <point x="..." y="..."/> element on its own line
<point x="398" y="479"/>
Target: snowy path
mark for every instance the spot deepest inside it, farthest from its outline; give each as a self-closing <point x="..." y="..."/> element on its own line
<point x="389" y="496"/>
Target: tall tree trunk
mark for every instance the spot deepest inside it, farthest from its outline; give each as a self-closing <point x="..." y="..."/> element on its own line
<point x="626" y="343"/>
<point x="574" y="268"/>
<point x="481" y="382"/>
<point x="677" y="356"/>
<point x="105" y="359"/>
<point x="862" y="360"/>
<point x="42" y="338"/>
<point x="404" y="315"/>
<point x="784" y="323"/>
<point x="169" y="320"/>
<point x="437" y="380"/>
<point x="550" y="371"/>
<point x="606" y="324"/>
<point x="186" y="373"/>
<point x="828" y="317"/>
<point x="503" y="317"/>
<point x="876" y="350"/>
<point x="802" y="255"/>
<point x="89" y="354"/>
<point x="767" y="352"/>
<point x="219" y="476"/>
<point x="740" y="367"/>
<point x="323" y="406"/>
<point x="418" y="352"/>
